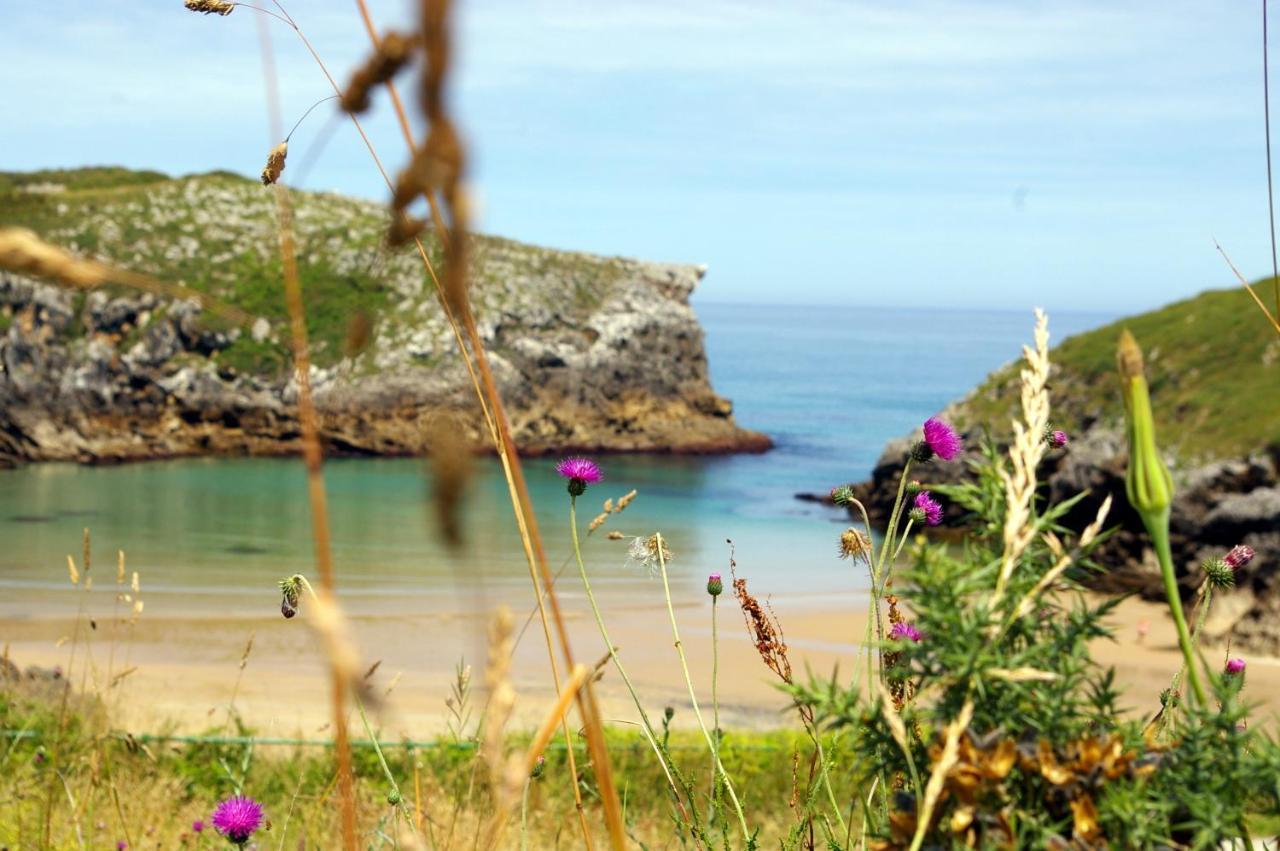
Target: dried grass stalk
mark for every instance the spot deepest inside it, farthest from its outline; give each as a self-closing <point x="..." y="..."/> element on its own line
<point x="1025" y="453"/>
<point x="393" y="52"/>
<point x="450" y="467"/>
<point x="501" y="702"/>
<point x="938" y="777"/>
<point x="24" y="252"/>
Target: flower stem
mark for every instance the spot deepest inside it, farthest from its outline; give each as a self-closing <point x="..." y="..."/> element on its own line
<point x="693" y="697"/>
<point x="524" y="816"/>
<point x="646" y="725"/>
<point x="715" y="704"/>
<point x="1159" y="532"/>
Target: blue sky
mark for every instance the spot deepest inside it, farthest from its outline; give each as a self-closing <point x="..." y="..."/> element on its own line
<point x="1078" y="155"/>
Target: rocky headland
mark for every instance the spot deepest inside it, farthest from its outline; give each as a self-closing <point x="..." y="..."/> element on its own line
<point x="590" y="353"/>
<point x="1214" y="369"/>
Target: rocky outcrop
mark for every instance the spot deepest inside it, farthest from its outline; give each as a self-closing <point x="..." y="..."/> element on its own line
<point x="1216" y="506"/>
<point x="590" y="353"/>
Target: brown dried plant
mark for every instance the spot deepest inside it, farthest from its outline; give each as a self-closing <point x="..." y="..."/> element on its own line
<point x="210" y="7"/>
<point x="24" y="252"/>
<point x="450" y="471"/>
<point x="275" y="164"/>
<point x="392" y="53"/>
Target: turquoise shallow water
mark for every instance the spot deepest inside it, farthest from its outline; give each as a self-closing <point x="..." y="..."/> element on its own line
<point x="830" y="385"/>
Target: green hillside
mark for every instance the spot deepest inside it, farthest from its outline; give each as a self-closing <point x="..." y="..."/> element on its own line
<point x="1214" y="367"/>
<point x="216" y="233"/>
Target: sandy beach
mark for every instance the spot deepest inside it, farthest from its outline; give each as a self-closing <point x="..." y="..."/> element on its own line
<point x="181" y="674"/>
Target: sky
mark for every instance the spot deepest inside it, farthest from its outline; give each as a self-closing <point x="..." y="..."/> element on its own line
<point x="1076" y="155"/>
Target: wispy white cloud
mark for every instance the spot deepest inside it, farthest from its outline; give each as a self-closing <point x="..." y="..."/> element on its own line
<point x="675" y="129"/>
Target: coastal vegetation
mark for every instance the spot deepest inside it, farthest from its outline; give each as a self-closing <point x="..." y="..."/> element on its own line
<point x="973" y="714"/>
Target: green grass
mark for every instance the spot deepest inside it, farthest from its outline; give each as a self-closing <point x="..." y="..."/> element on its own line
<point x="1214" y="367"/>
<point x="165" y="786"/>
<point x="76" y="179"/>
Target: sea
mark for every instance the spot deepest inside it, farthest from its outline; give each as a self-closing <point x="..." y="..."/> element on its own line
<point x="830" y="385"/>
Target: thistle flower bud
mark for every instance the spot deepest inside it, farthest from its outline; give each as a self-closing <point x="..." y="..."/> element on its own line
<point x="290" y="589"/>
<point x="1218" y="573"/>
<point x="393" y="797"/>
<point x="539" y="766"/>
<point x="1147" y="480"/>
<point x="1233" y="675"/>
<point x="1238" y="557"/>
<point x="914" y="487"/>
<point x="668" y="713"/>
<point x="1055" y="437"/>
<point x="916" y="515"/>
<point x="842" y="495"/>
<point x="715" y="587"/>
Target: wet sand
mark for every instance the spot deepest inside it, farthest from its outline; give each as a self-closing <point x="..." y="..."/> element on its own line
<point x="183" y="672"/>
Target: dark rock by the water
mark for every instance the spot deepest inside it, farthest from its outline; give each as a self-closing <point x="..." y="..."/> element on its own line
<point x="1216" y="506"/>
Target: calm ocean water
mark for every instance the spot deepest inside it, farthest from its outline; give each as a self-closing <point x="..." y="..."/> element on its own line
<point x="830" y="385"/>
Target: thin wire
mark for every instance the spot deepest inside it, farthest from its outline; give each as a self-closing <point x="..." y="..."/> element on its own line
<point x="305" y="114"/>
<point x="1266" y="113"/>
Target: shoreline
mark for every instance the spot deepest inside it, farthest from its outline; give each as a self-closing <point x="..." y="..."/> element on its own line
<point x="743" y="442"/>
<point x="179" y="674"/>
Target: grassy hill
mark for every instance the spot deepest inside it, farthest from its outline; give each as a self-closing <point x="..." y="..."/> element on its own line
<point x="216" y="232"/>
<point x="1214" y="367"/>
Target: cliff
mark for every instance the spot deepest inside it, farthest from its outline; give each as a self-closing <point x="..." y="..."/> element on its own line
<point x="591" y="353"/>
<point x="1214" y="369"/>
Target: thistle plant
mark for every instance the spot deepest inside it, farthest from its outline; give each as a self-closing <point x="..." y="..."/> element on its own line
<point x="581" y="472"/>
<point x="997" y="728"/>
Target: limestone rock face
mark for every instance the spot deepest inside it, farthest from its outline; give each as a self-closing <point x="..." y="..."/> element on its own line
<point x="630" y="376"/>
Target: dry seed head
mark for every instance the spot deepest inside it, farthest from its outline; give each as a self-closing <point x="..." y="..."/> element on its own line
<point x="615" y="535"/>
<point x="22" y="251"/>
<point x="275" y="164"/>
<point x="854" y="544"/>
<point x="119" y="567"/>
<point x="597" y="522"/>
<point x="71" y="570"/>
<point x="393" y="53"/>
<point x="136" y="585"/>
<point x="624" y="501"/>
<point x="608" y="506"/>
<point x="210" y="7"/>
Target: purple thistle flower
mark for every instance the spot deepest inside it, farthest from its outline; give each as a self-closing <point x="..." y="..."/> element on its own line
<point x="121" y="845"/>
<point x="904" y="632"/>
<point x="1239" y="556"/>
<point x="715" y="585"/>
<point x="929" y="507"/>
<point x="941" y="439"/>
<point x="580" y="472"/>
<point x="237" y="818"/>
<point x="198" y="825"/>
<point x="1235" y="666"/>
<point x="1058" y="439"/>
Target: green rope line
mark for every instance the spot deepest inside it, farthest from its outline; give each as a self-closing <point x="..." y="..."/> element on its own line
<point x="146" y="738"/>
